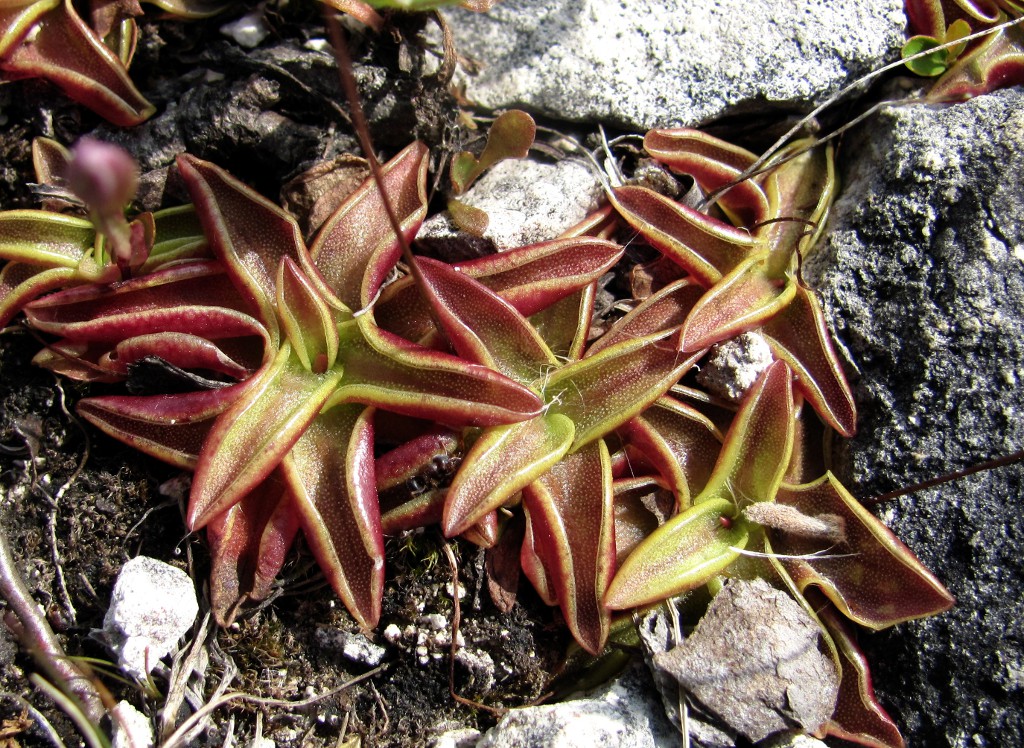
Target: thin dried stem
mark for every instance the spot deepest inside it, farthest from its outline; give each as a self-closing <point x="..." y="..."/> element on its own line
<point x="38" y="638"/>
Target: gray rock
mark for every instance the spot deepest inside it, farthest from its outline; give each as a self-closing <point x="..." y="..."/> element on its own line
<point x="922" y="275"/>
<point x="756" y="660"/>
<point x="624" y="713"/>
<point x="672" y="62"/>
<point x="658" y="634"/>
<point x="734" y="365"/>
<point x="153" y="605"/>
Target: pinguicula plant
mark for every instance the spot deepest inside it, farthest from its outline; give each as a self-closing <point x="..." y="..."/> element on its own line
<point x="530" y="438"/>
<point x="756" y="515"/>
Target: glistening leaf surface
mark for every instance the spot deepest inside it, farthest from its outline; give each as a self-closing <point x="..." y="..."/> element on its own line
<point x="501" y="462"/>
<point x="356" y="247"/>
<point x="573" y="534"/>
<point x="871" y="576"/>
<point x="42" y="238"/>
<point x="703" y="246"/>
<point x="247" y="232"/>
<point x="599" y="393"/>
<point x="681" y="555"/>
<point x="386" y="371"/>
<point x="250" y="438"/>
<point x="330" y="471"/>
<point x="481" y="326"/>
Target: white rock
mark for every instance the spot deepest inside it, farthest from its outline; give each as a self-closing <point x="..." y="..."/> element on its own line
<point x="625" y="713"/>
<point x="465" y="737"/>
<point x="153" y="605"/>
<point x="249" y="31"/>
<point x="526" y="202"/>
<point x="353" y="646"/>
<point x="672" y="62"/>
<point x="132" y="728"/>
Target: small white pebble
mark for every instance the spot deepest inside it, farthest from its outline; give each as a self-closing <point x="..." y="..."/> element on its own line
<point x="153" y="605"/>
<point x="434" y="621"/>
<point x="249" y="31"/>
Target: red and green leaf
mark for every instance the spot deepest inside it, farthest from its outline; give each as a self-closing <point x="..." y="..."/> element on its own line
<point x="502" y="462"/>
<point x="331" y="475"/>
<point x="572" y="528"/>
<point x="871" y="576"/>
<point x="254" y="434"/>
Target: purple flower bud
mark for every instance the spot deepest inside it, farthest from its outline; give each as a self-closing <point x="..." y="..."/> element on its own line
<point x="104" y="176"/>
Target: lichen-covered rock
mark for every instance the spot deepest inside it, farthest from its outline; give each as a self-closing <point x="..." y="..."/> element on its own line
<point x="922" y="274"/>
<point x="672" y="62"/>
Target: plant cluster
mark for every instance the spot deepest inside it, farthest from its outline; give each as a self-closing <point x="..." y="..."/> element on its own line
<point x="519" y="431"/>
<point x="314" y="386"/>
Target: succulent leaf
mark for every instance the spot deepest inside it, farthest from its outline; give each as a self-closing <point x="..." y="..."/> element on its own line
<point x="680" y="442"/>
<point x="714" y="164"/>
<point x="248" y="546"/>
<point x="798" y="334"/>
<point x="44" y="239"/>
<point x="180" y="349"/>
<point x="683" y="554"/>
<point x="665" y="310"/>
<point x="529" y="278"/>
<point x="170" y="428"/>
<point x="500" y="463"/>
<point x="858" y="716"/>
<point x="870" y="575"/>
<point x="703" y="246"/>
<point x="331" y="474"/>
<point x="174" y="299"/>
<point x="65" y="51"/>
<point x="481" y="326"/>
<point x="306" y="319"/>
<point x="21" y="283"/>
<point x="572" y="526"/>
<point x="740" y="301"/>
<point x="254" y="434"/>
<point x="356" y="247"/>
<point x="247" y="233"/>
<point x="758" y="444"/>
<point x="599" y="393"/>
<point x="565" y="325"/>
<point x="386" y="371"/>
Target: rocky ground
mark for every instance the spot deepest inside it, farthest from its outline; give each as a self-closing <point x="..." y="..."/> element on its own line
<point x="922" y="273"/>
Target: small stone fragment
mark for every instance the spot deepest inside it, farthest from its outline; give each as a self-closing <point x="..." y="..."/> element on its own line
<point x="153" y="605"/>
<point x="249" y="31"/>
<point x="755" y="662"/>
<point x="525" y="201"/>
<point x="734" y="365"/>
<point x="465" y="737"/>
<point x="132" y="728"/>
<point x="353" y="646"/>
<point x="624" y="713"/>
